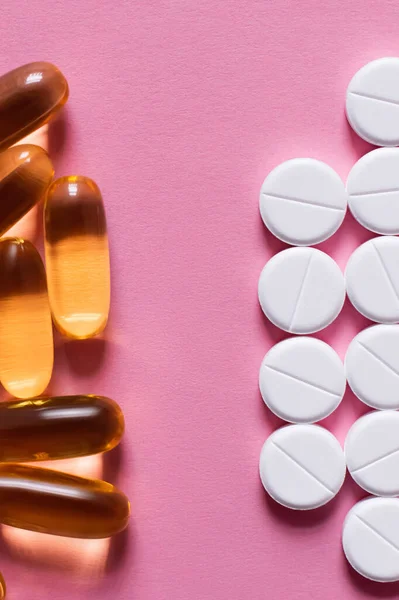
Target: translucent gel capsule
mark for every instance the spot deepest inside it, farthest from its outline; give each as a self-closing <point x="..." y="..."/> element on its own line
<point x="3" y="588"/>
<point x="26" y="336"/>
<point x="29" y="96"/>
<point x="61" y="504"/>
<point x="25" y="174"/>
<point x="77" y="258"/>
<point x="59" y="427"/>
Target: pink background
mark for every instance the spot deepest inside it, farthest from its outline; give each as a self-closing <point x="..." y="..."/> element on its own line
<point x="179" y="109"/>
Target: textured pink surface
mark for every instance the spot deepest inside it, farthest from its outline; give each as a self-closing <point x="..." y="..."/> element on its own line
<point x="179" y="109"/>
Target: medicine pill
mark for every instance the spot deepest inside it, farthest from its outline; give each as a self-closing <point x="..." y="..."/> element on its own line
<point x="372" y="366"/>
<point x="302" y="466"/>
<point x="25" y="174"/>
<point x="370" y="538"/>
<point x="301" y="380"/>
<point x="58" y="427"/>
<point x="61" y="504"/>
<point x="372" y="452"/>
<point x="372" y="102"/>
<point x="26" y="334"/>
<point x="77" y="257"/>
<point x="301" y="290"/>
<point x="372" y="279"/>
<point x="373" y="188"/>
<point x="29" y="97"/>
<point x="303" y="201"/>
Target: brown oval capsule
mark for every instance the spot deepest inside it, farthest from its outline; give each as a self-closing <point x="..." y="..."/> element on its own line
<point x="77" y="256"/>
<point x="26" y="335"/>
<point x="25" y="174"/>
<point x="61" y="504"/>
<point x="58" y="427"/>
<point x="29" y="96"/>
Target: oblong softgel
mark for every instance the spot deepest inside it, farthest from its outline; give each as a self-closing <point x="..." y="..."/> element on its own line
<point x="372" y="366"/>
<point x="302" y="466"/>
<point x="58" y="427"/>
<point x="53" y="502"/>
<point x="370" y="538"/>
<point x="302" y="380"/>
<point x="77" y="256"/>
<point x="25" y="174"/>
<point x="373" y="188"/>
<point x="29" y="97"/>
<point x="26" y="334"/>
<point x="372" y="102"/>
<point x="372" y="279"/>
<point x="301" y="290"/>
<point x="372" y="452"/>
<point x="303" y="201"/>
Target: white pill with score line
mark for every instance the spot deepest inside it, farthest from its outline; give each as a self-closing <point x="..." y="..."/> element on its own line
<point x="372" y="102"/>
<point x="302" y="466"/>
<point x="303" y="201"/>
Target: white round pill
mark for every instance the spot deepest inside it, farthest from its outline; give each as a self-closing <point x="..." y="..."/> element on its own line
<point x="372" y="452"/>
<point x="370" y="538"/>
<point x="373" y="188"/>
<point x="372" y="366"/>
<point x="301" y="290"/>
<point x="372" y="279"/>
<point x="302" y="466"/>
<point x="303" y="201"/>
<point x="372" y="102"/>
<point x="302" y="380"/>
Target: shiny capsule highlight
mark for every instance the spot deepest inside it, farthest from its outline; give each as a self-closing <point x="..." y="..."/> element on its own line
<point x="29" y="97"/>
<point x="60" y="504"/>
<point x="25" y="175"/>
<point x="58" y="427"/>
<point x="77" y="256"/>
<point x="26" y="336"/>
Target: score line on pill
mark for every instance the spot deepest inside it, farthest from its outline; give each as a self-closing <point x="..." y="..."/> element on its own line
<point x="372" y="102"/>
<point x="303" y="201"/>
<point x="301" y="290"/>
<point x="302" y="466"/>
<point x="370" y="538"/>
<point x="302" y="380"/>
<point x="372" y="452"/>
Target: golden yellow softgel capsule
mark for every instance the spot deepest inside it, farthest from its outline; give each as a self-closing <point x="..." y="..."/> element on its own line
<point x="77" y="257"/>
<point x="61" y="504"/>
<point x="58" y="427"/>
<point x="25" y="175"/>
<point x="29" y="97"/>
<point x="3" y="588"/>
<point x="26" y="336"/>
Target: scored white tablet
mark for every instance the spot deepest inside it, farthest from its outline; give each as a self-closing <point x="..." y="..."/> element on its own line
<point x="372" y="279"/>
<point x="302" y="466"/>
<point x="301" y="290"/>
<point x="372" y="452"/>
<point x="302" y="380"/>
<point x="372" y="102"/>
<point x="373" y="188"/>
<point x="370" y="538"/>
<point x="303" y="201"/>
<point x="372" y="366"/>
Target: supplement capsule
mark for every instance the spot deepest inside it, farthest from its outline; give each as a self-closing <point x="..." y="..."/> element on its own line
<point x="29" y="97"/>
<point x="25" y="174"/>
<point x="61" y="504"/>
<point x="3" y="588"/>
<point x="77" y="257"/>
<point x="26" y="336"/>
<point x="58" y="427"/>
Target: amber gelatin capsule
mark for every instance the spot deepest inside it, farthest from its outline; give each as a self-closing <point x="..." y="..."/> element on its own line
<point x="25" y="174"/>
<point x="54" y="502"/>
<point x="26" y="336"/>
<point x="77" y="257"/>
<point x="58" y="427"/>
<point x="29" y="96"/>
